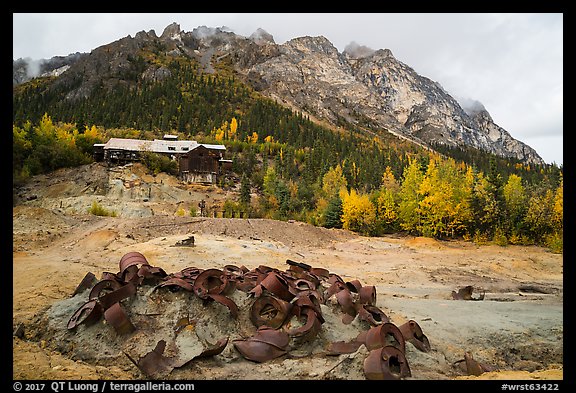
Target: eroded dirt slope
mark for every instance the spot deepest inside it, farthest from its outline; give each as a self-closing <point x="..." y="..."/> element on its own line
<point x="517" y="329"/>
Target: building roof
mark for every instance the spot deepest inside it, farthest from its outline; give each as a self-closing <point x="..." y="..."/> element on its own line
<point x="214" y="147"/>
<point x="157" y="145"/>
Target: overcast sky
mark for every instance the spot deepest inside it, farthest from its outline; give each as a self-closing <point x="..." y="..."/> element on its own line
<point x="511" y="63"/>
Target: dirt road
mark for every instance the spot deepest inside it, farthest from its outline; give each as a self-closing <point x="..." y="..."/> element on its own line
<point x="517" y="329"/>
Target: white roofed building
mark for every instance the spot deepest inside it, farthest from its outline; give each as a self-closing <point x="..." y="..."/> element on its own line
<point x="197" y="162"/>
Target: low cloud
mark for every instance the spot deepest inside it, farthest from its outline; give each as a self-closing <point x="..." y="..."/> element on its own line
<point x="470" y="105"/>
<point x="357" y="51"/>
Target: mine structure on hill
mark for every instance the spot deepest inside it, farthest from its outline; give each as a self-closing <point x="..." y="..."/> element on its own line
<point x="197" y="162"/>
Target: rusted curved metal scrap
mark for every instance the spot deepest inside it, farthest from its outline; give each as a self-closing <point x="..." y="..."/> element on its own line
<point x="106" y="294"/>
<point x="107" y="305"/>
<point x="412" y="332"/>
<point x="266" y="344"/>
<point x="87" y="282"/>
<point x="155" y="365"/>
<point x="465" y="293"/>
<point x="386" y="334"/>
<point x="473" y="367"/>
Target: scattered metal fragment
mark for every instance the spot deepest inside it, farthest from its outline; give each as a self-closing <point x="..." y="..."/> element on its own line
<point x="473" y="367"/>
<point x="117" y="295"/>
<point x="154" y="363"/>
<point x="188" y="242"/>
<point x="225" y="301"/>
<point x="183" y="323"/>
<point x="301" y="265"/>
<point x="175" y="282"/>
<point x="87" y="282"/>
<point x="465" y="293"/>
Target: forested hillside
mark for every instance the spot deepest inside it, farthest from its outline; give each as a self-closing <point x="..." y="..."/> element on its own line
<point x="287" y="166"/>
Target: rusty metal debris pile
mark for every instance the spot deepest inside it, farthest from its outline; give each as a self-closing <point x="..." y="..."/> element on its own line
<point x="285" y="307"/>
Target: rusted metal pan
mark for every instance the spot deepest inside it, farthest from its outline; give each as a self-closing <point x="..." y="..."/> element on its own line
<point x="311" y="328"/>
<point x="131" y="259"/>
<point x="346" y="302"/>
<point x="102" y="287"/>
<point x="367" y="295"/>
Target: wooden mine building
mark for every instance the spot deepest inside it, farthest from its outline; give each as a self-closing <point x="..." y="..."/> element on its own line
<point x="197" y="162"/>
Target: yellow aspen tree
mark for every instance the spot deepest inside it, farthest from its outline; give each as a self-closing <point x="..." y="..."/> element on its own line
<point x="389" y="182"/>
<point x="252" y="138"/>
<point x="515" y="202"/>
<point x="558" y="211"/>
<point x="233" y="129"/>
<point x="358" y="212"/>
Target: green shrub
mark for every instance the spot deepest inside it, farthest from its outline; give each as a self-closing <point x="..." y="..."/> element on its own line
<point x="555" y="241"/>
<point x="98" y="210"/>
<point x="500" y="237"/>
<point x="157" y="163"/>
<point x="480" y="238"/>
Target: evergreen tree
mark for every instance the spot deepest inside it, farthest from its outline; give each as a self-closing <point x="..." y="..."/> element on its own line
<point x="245" y="190"/>
<point x="333" y="213"/>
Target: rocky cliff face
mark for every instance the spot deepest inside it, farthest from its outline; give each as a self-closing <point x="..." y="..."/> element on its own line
<point x="368" y="89"/>
<point x="374" y="90"/>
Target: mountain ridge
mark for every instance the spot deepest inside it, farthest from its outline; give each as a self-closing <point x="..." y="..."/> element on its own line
<point x="371" y="91"/>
